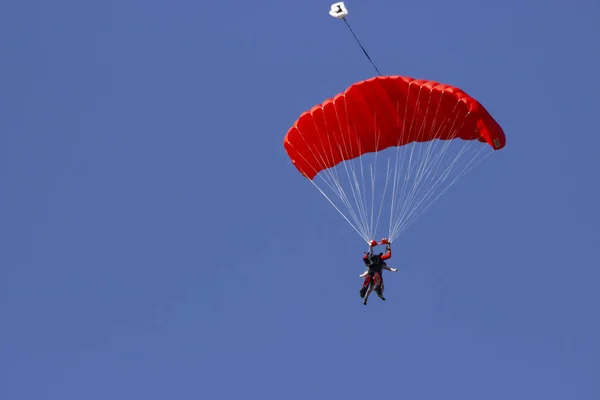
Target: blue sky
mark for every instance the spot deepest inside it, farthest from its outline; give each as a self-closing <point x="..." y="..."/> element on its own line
<point x="158" y="244"/>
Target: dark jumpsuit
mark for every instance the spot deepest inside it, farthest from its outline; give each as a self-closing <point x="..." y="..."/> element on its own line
<point x="375" y="263"/>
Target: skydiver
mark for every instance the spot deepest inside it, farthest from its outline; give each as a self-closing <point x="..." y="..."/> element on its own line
<point x="375" y="264"/>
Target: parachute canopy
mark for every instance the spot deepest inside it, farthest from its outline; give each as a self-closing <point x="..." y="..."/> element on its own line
<point x="390" y="145"/>
<point x="382" y="112"/>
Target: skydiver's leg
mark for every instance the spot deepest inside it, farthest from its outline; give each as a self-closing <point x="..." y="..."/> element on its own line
<point x="379" y="286"/>
<point x="365" y="286"/>
<point x="371" y="286"/>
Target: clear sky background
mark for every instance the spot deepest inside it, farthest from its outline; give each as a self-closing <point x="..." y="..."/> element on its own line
<point x="156" y="242"/>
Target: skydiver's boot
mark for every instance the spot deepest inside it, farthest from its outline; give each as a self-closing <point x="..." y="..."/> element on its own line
<point x="379" y="292"/>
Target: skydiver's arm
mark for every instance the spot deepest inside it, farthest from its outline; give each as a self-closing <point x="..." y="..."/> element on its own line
<point x="364" y="274"/>
<point x="387" y="255"/>
<point x="390" y="269"/>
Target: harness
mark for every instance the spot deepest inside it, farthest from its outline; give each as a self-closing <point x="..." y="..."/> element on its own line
<point x="374" y="263"/>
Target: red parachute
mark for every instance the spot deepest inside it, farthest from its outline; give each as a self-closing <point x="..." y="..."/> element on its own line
<point x="382" y="112"/>
<point x="429" y="134"/>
